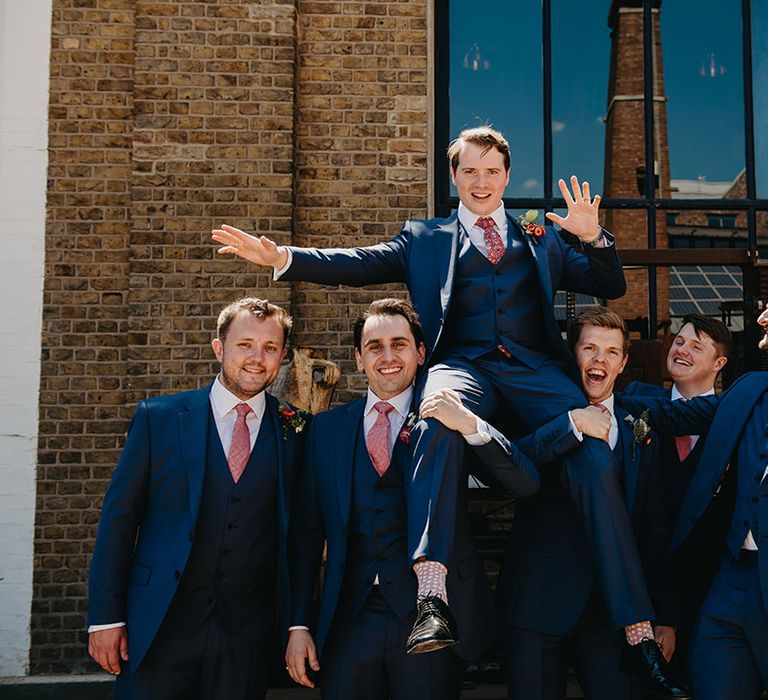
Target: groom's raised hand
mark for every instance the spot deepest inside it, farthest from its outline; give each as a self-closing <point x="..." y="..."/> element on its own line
<point x="108" y="647"/>
<point x="256" y="249"/>
<point x="582" y="216"/>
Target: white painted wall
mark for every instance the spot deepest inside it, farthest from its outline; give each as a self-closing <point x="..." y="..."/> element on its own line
<point x="25" y="38"/>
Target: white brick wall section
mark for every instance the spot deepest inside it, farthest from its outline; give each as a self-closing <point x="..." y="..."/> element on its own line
<point x="25" y="38"/>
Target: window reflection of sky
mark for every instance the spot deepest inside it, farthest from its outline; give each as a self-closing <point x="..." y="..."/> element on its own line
<point x="501" y="84"/>
<point x="705" y="112"/>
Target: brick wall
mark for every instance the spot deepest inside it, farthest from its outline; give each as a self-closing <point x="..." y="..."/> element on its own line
<point x="361" y="148"/>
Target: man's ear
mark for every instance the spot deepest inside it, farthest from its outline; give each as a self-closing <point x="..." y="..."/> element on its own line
<point x="421" y="354"/>
<point x="721" y="362"/>
<point x="218" y="348"/>
<point x="359" y="360"/>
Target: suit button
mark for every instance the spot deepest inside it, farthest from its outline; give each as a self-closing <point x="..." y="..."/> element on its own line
<point x="209" y="601"/>
<point x="377" y="535"/>
<point x="191" y="537"/>
<point x="231" y="526"/>
<point x="746" y="523"/>
<point x="177" y="574"/>
<point x="501" y="291"/>
<point x="758" y="478"/>
<point x="226" y="551"/>
<point x="378" y="511"/>
<point x="236" y="499"/>
<point x="755" y="499"/>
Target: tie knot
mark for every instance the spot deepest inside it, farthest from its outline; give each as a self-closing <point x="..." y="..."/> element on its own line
<point x="604" y="409"/>
<point x="243" y="409"/>
<point x="486" y="223"/>
<point x="383" y="407"/>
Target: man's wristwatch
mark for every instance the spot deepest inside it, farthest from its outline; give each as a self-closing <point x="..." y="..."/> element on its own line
<point x="595" y="241"/>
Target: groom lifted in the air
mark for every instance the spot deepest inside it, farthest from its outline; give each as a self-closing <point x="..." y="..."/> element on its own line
<point x="484" y="285"/>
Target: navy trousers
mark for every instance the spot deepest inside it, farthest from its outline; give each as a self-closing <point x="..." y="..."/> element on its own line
<point x="729" y="649"/>
<point x="537" y="664"/>
<point x="209" y="663"/>
<point x="489" y="385"/>
<point x="364" y="659"/>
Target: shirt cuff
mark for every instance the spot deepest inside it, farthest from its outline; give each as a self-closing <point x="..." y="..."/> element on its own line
<point x="110" y="626"/>
<point x="277" y="274"/>
<point x="482" y="436"/>
<point x="579" y="435"/>
<point x="298" y="627"/>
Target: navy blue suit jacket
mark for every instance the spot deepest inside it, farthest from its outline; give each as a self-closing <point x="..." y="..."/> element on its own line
<point x="424" y="255"/>
<point x="725" y="419"/>
<point x="322" y="513"/>
<point x="150" y="512"/>
<point x="549" y="572"/>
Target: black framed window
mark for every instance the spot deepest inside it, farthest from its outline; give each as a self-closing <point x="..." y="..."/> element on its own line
<point x="660" y="110"/>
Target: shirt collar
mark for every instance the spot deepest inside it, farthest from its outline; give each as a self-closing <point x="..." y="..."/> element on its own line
<point x="401" y="402"/>
<point x="608" y="403"/>
<point x="677" y="395"/>
<point x="224" y="401"/>
<point x="468" y="218"/>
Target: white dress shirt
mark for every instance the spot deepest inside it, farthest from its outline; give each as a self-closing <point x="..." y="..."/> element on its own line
<point x="676" y="395"/>
<point x="468" y="220"/>
<point x="613" y="432"/>
<point x="223" y="403"/>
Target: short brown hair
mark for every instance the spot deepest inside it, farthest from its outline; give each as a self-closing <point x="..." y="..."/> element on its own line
<point x="715" y="329"/>
<point x="481" y="136"/>
<point x="389" y="307"/>
<point x="260" y="308"/>
<point x="599" y="316"/>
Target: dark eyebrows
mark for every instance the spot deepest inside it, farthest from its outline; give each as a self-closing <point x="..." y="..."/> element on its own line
<point x="397" y="339"/>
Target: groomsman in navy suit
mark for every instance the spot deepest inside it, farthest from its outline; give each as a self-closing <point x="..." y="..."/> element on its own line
<point x="351" y="495"/>
<point x="483" y="285"/>
<point x="698" y="353"/>
<point x="729" y="650"/>
<point x="549" y="596"/>
<point x="191" y="544"/>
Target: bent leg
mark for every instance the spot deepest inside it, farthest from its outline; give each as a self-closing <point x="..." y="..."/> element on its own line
<point x="434" y="485"/>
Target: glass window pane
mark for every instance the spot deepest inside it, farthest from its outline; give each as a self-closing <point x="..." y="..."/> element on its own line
<point x="704" y="108"/>
<point x="580" y="71"/>
<point x="760" y="94"/>
<point x="496" y="78"/>
<point x="706" y="229"/>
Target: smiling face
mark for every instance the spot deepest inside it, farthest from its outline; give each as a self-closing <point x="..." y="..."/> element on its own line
<point x="250" y="354"/>
<point x="601" y="359"/>
<point x="693" y="361"/>
<point x="388" y="354"/>
<point x="480" y="178"/>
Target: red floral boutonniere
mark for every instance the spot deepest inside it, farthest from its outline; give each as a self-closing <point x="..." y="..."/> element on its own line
<point x="532" y="229"/>
<point x="291" y="419"/>
<point x="641" y="431"/>
<point x="405" y="431"/>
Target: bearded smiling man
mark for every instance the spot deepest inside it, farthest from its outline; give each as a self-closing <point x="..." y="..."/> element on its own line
<point x="191" y="544"/>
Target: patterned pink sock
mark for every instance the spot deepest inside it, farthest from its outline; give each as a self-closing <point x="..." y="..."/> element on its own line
<point x="431" y="578"/>
<point x="638" y="632"/>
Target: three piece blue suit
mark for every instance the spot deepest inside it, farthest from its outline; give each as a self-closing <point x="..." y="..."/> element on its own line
<point x="189" y="559"/>
<point x="549" y="595"/>
<point x="469" y="308"/>
<point x="729" y="650"/>
<point x="361" y="628"/>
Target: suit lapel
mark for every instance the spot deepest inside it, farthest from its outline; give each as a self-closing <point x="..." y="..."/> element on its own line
<point x="193" y="432"/>
<point x="342" y="450"/>
<point x="284" y="449"/>
<point x="446" y="242"/>
<point x="631" y="466"/>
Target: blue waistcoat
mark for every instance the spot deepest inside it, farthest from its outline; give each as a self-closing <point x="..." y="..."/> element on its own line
<point x="378" y="534"/>
<point x="233" y="561"/>
<point x="493" y="304"/>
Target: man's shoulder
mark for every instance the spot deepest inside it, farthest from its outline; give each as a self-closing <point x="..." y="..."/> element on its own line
<point x="168" y="402"/>
<point x="427" y="227"/>
<point x="637" y="388"/>
<point x="330" y="419"/>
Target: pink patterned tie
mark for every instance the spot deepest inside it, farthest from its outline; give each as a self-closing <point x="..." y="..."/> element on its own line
<point x="377" y="440"/>
<point x="492" y="238"/>
<point x="684" y="446"/>
<point x="240" y="449"/>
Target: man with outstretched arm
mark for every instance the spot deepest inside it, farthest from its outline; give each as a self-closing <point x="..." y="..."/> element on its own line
<point x="483" y="285"/>
<point x="728" y="655"/>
